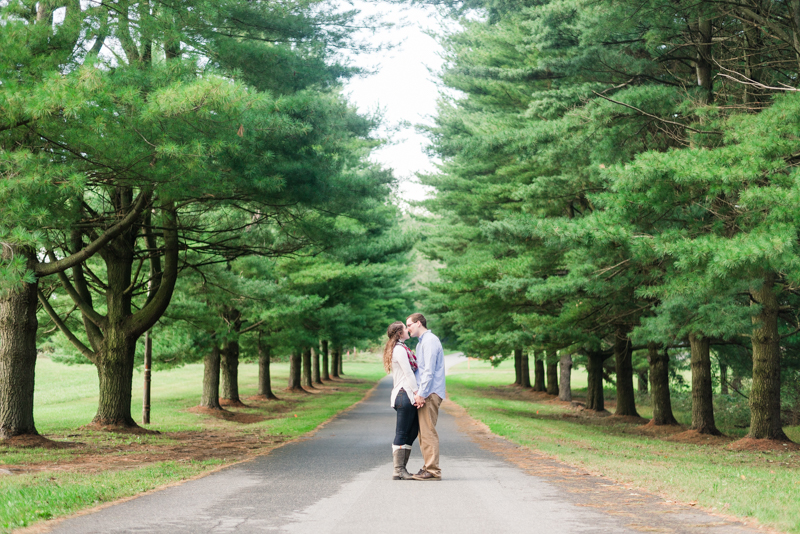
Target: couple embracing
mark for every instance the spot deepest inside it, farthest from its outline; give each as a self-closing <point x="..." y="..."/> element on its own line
<point x="417" y="393"/>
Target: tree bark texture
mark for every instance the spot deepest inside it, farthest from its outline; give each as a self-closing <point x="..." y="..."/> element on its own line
<point x="702" y="401"/>
<point x="264" y="380"/>
<point x="594" y="392"/>
<point x="115" y="371"/>
<point x="230" y="372"/>
<point x="18" y="326"/>
<point x="306" y="381"/>
<point x="552" y="372"/>
<point x="765" y="395"/>
<point x="526" y="373"/>
<point x="641" y="381"/>
<point x="659" y="384"/>
<point x="315" y="372"/>
<point x="294" y="370"/>
<point x="623" y="358"/>
<point x="565" y="384"/>
<point x="517" y="367"/>
<point x="538" y="375"/>
<point x="325" y="367"/>
<point x="211" y="364"/>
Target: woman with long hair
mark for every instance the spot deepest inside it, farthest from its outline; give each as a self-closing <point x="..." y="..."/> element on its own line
<point x="401" y="363"/>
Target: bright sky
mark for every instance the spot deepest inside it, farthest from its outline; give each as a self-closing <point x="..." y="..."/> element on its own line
<point x="404" y="87"/>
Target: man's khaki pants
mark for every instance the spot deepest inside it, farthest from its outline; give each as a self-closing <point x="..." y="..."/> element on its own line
<point x="428" y="438"/>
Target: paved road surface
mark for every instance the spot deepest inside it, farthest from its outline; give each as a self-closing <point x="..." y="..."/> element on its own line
<point x="339" y="481"/>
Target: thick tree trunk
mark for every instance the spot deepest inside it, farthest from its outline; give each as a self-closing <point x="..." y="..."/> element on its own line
<point x="723" y="379"/>
<point x="325" y="374"/>
<point x="230" y="372"/>
<point x="765" y="394"/>
<point x="517" y="367"/>
<point x="18" y="325"/>
<point x="594" y="392"/>
<point x="641" y="381"/>
<point x="264" y="380"/>
<point x="294" y="371"/>
<point x="315" y="373"/>
<point x="552" y="372"/>
<point x="211" y="365"/>
<point x="538" y="375"/>
<point x="702" y="404"/>
<point x="623" y="358"/>
<point x="115" y="371"/>
<point x="307" y="368"/>
<point x="659" y="384"/>
<point x="526" y="373"/>
<point x="340" y="359"/>
<point x="335" y="357"/>
<point x="565" y="384"/>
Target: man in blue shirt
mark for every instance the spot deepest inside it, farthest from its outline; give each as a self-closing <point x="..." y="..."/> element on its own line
<point x="431" y="392"/>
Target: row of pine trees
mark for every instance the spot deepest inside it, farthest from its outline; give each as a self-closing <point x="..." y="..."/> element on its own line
<point x="618" y="184"/>
<point x="189" y="172"/>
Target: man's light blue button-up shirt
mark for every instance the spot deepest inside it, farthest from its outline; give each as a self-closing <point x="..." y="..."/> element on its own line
<point x="430" y="359"/>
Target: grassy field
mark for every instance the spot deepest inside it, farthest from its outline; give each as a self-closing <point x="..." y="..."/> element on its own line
<point x="38" y="484"/>
<point x="760" y="485"/>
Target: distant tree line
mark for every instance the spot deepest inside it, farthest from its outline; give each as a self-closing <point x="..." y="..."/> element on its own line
<point x="619" y="187"/>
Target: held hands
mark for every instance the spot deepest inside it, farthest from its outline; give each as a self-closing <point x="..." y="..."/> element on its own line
<point x="419" y="402"/>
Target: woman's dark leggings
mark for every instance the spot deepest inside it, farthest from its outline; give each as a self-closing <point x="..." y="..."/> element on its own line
<point x="407" y="420"/>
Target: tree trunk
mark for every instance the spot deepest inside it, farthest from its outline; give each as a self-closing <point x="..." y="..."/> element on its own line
<point x="211" y="365"/>
<point x="641" y="381"/>
<point x="115" y="371"/>
<point x="702" y="405"/>
<point x="264" y="381"/>
<point x="723" y="379"/>
<point x="702" y="35"/>
<point x="552" y="372"/>
<point x="623" y="359"/>
<point x="594" y="391"/>
<point x="294" y="371"/>
<point x="315" y="373"/>
<point x="230" y="372"/>
<point x="565" y="384"/>
<point x="538" y="374"/>
<point x="113" y="337"/>
<point x="307" y="368"/>
<point x="659" y="384"/>
<point x="18" y="326"/>
<point x="335" y="357"/>
<point x="765" y="395"/>
<point x="517" y="367"/>
<point x="325" y="374"/>
<point x="526" y="373"/>
<point x="340" y="359"/>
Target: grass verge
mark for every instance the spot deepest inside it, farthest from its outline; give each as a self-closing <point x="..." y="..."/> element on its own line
<point x="764" y="485"/>
<point x="92" y="467"/>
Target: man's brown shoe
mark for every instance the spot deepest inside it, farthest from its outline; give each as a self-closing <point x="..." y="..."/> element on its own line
<point x="420" y="471"/>
<point x="425" y="475"/>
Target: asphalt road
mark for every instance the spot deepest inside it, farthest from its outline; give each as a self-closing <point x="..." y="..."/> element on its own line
<point x="340" y="481"/>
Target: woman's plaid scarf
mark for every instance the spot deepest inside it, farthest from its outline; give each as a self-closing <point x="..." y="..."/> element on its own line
<point x="412" y="360"/>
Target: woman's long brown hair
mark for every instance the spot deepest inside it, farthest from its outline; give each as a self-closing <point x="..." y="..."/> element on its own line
<point x="394" y="332"/>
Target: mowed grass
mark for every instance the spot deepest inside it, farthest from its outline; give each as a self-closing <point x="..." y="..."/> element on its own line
<point x="760" y="485"/>
<point x="66" y="400"/>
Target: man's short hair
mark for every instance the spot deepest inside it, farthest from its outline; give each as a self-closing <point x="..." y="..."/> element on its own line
<point x="418" y="317"/>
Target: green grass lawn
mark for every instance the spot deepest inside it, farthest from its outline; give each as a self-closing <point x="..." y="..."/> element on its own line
<point x="760" y="485"/>
<point x="66" y="400"/>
